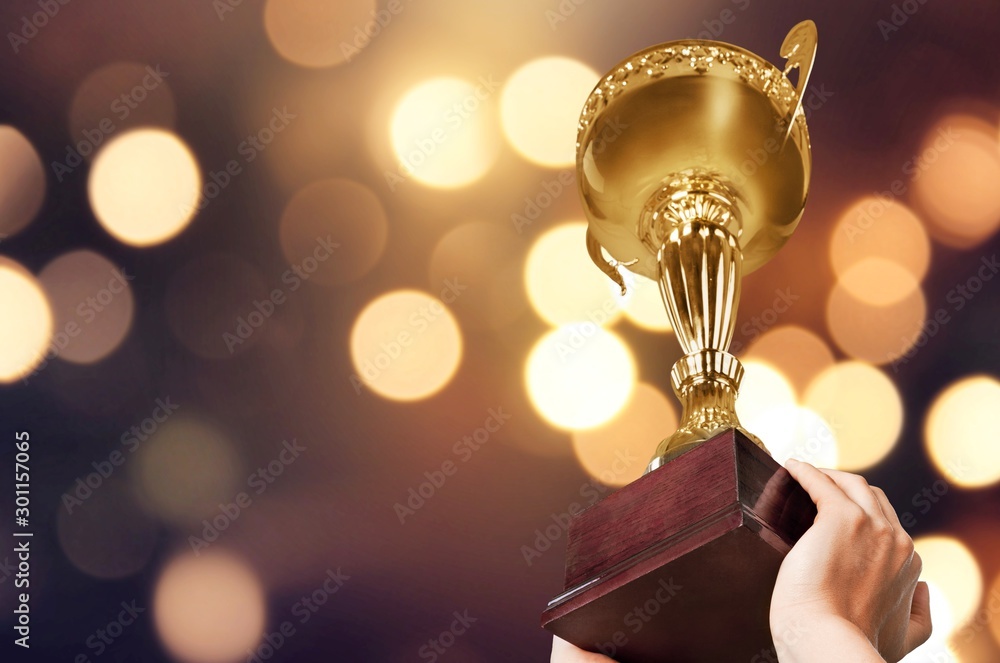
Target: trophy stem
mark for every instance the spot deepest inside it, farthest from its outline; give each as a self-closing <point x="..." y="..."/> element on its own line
<point x="694" y="220"/>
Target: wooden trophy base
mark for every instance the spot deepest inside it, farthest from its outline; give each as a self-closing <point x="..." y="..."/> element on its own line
<point x="678" y="566"/>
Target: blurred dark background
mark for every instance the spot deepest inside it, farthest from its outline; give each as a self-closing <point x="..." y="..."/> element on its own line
<point x="282" y="287"/>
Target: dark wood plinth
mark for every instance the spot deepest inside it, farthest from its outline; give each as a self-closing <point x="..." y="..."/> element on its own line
<point x="678" y="566"/>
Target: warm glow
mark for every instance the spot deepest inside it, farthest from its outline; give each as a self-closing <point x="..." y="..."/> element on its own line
<point x="145" y="186"/>
<point x="993" y="606"/>
<point x="114" y="98"/>
<point x="209" y="608"/>
<point x="333" y="231"/>
<point x="798" y="353"/>
<point x="22" y="181"/>
<point x="791" y="431"/>
<point x="952" y="568"/>
<point x="883" y="228"/>
<point x="876" y="334"/>
<point x="92" y="302"/>
<point x="444" y="133"/>
<point x="879" y="282"/>
<point x="579" y="376"/>
<point x="406" y="345"/>
<point x="564" y="285"/>
<point x="959" y="432"/>
<point x="25" y="321"/>
<point x="485" y="259"/>
<point x="766" y="400"/>
<point x="937" y="649"/>
<point x="186" y="470"/>
<point x="540" y="108"/>
<point x="617" y="452"/>
<point x="957" y="188"/>
<point x="318" y="33"/>
<point x="644" y="305"/>
<point x="863" y="408"/>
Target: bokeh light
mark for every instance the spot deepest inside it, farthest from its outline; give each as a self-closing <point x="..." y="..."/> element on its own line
<point x="879" y="282"/>
<point x="951" y="567"/>
<point x="26" y="322"/>
<point x="114" y="98"/>
<point x="938" y="648"/>
<point x="540" y="108"/>
<point x="876" y="334"/>
<point x="91" y="302"/>
<point x="797" y="352"/>
<point x="209" y="608"/>
<point x="102" y="531"/>
<point x="563" y="284"/>
<point x="793" y="431"/>
<point x="579" y="376"/>
<point x="959" y="167"/>
<point x="959" y="431"/>
<point x="333" y="212"/>
<point x="185" y="469"/>
<point x="880" y="227"/>
<point x="763" y="388"/>
<point x="992" y="605"/>
<point x="22" y="181"/>
<point x="443" y="133"/>
<point x="315" y="33"/>
<point x="863" y="408"/>
<point x="643" y="305"/>
<point x="145" y="186"/>
<point x="406" y="345"/>
<point x="617" y="452"/>
<point x="484" y="259"/>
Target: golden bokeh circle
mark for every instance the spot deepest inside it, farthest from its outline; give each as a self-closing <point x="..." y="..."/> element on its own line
<point x="144" y="186"/>
<point x="643" y="304"/>
<point x="317" y="33"/>
<point x="957" y="431"/>
<point x="26" y="321"/>
<point x="952" y="569"/>
<point x="22" y="181"/>
<point x="579" y="376"/>
<point x="798" y="353"/>
<point x="879" y="227"/>
<point x="863" y="408"/>
<point x="405" y="346"/>
<point x="878" y="282"/>
<point x="875" y="334"/>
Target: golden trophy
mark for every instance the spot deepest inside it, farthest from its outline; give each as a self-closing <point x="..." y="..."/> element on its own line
<point x="706" y="184"/>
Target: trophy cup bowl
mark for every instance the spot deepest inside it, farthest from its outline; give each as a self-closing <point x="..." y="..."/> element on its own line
<point x="693" y="162"/>
<point x="705" y="183"/>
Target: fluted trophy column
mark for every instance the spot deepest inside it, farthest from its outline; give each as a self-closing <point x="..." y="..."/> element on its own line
<point x="694" y="224"/>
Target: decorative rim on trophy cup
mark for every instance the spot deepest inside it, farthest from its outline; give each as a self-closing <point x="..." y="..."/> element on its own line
<point x="707" y="183"/>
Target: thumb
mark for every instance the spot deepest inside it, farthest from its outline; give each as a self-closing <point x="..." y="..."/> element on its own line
<point x="920" y="628"/>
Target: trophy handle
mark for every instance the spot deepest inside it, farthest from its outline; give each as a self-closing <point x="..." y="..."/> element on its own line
<point x="594" y="249"/>
<point x="799" y="49"/>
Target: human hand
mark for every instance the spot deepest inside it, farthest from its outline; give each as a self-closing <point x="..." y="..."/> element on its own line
<point x="564" y="652"/>
<point x="849" y="588"/>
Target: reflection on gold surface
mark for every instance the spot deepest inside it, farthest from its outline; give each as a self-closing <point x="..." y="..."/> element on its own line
<point x="579" y="376"/>
<point x="796" y="352"/>
<point x="864" y="409"/>
<point x="406" y="345"/>
<point x="22" y="181"/>
<point x="957" y="187"/>
<point x="26" y="323"/>
<point x="616" y="453"/>
<point x="210" y="608"/>
<point x="876" y="334"/>
<point x="563" y="285"/>
<point x="540" y="106"/>
<point x="958" y="431"/>
<point x="144" y="186"/>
